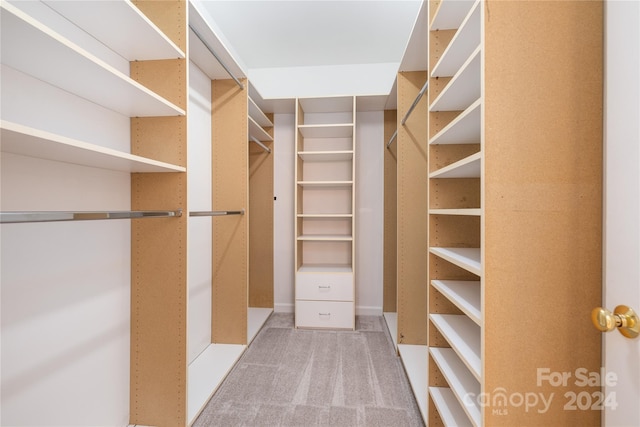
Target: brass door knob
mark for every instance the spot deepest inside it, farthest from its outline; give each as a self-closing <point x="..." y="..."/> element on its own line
<point x="623" y="318"/>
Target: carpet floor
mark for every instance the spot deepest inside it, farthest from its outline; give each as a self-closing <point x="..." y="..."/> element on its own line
<point x="291" y="377"/>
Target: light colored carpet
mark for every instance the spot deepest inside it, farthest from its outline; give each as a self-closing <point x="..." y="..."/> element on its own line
<point x="290" y="377"/>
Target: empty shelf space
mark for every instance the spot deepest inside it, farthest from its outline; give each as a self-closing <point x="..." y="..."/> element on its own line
<point x="326" y="237"/>
<point x="256" y="131"/>
<point x="325" y="156"/>
<point x="121" y="26"/>
<point x="414" y="359"/>
<point x="325" y="268"/>
<point x="464" y="129"/>
<point x="207" y="372"/>
<point x="256" y="318"/>
<point x="74" y="69"/>
<point x="464" y="336"/>
<point x="463" y="89"/>
<point x="468" y="167"/>
<point x="257" y="115"/>
<point x="450" y="411"/>
<point x="465" y="294"/>
<point x="26" y="141"/>
<point x="450" y="14"/>
<point x="465" y="41"/>
<point x="462" y="212"/>
<point x="327" y="130"/>
<point x="467" y="258"/>
<point x="464" y="386"/>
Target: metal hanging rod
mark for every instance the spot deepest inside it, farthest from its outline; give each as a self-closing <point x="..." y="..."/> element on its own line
<point x="216" y="213"/>
<point x="415" y="102"/>
<point x="217" y="57"/>
<point x="53" y="216"/>
<point x="393" y="137"/>
<point x="264" y="147"/>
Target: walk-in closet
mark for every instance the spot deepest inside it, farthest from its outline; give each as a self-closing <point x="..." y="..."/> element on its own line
<point x="266" y="212"/>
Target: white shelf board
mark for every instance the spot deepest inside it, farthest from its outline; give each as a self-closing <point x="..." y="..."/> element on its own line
<point x="325" y="268"/>
<point x="121" y="26"/>
<point x="257" y="115"/>
<point x="450" y="14"/>
<point x="469" y="167"/>
<point x="256" y="318"/>
<point x="326" y="237"/>
<point x="463" y="43"/>
<point x="391" y="318"/>
<point x="463" y="89"/>
<point x="327" y="104"/>
<point x="415" y="361"/>
<point x="207" y="372"/>
<point x="467" y="258"/>
<point x="464" y="336"/>
<point x="464" y="386"/>
<point x="201" y="56"/>
<point x="325" y="156"/>
<point x="26" y="141"/>
<point x="325" y="183"/>
<point x="48" y="56"/>
<point x="464" y="129"/>
<point x="464" y="212"/>
<point x="344" y="130"/>
<point x="465" y="294"/>
<point x="256" y="131"/>
<point x="449" y="409"/>
<point x="324" y="216"/>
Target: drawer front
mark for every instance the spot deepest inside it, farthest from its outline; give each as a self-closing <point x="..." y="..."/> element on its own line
<point x="325" y="314"/>
<point x="324" y="286"/>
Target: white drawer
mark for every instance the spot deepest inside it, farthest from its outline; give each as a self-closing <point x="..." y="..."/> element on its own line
<point x="325" y="314"/>
<point x="324" y="286"/>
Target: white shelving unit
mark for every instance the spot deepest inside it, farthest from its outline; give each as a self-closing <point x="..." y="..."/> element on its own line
<point x="325" y="223"/>
<point x="447" y="407"/>
<point x="464" y="337"/>
<point x="464" y="294"/>
<point x="467" y="258"/>
<point x="464" y="87"/>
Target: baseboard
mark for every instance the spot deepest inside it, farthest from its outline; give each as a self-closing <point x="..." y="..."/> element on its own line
<point x="283" y="307"/>
<point x="368" y="311"/>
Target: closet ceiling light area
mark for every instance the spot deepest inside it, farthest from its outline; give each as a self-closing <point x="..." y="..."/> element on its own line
<point x="295" y="37"/>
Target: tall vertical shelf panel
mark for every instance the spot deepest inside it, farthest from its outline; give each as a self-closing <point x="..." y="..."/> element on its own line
<point x="514" y="170"/>
<point x="325" y="213"/>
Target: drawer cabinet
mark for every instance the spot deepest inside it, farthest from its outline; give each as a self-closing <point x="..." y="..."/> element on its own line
<point x="325" y="287"/>
<point x="325" y="314"/>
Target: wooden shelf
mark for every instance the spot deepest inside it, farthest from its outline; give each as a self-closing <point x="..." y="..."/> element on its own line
<point x="136" y="38"/>
<point x="26" y="141"/>
<point x="463" y="89"/>
<point x="49" y="57"/>
<point x="325" y="156"/>
<point x="467" y="258"/>
<point x="468" y="167"/>
<point x="258" y="116"/>
<point x="450" y="14"/>
<point x="327" y="130"/>
<point x="207" y="372"/>
<point x="326" y="237"/>
<point x="464" y="212"/>
<point x="414" y="359"/>
<point x="256" y="131"/>
<point x="465" y="41"/>
<point x="464" y="386"/>
<point x="450" y="411"/>
<point x="464" y="129"/>
<point x="325" y="268"/>
<point x="464" y="294"/>
<point x="464" y="337"/>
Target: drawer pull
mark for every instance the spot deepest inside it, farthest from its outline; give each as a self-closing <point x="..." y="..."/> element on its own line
<point x="324" y="314"/>
<point x="324" y="287"/>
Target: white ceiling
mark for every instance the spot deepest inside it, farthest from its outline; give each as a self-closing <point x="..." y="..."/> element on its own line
<point x="300" y="33"/>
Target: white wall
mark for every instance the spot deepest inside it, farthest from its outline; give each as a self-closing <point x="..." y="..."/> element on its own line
<point x="199" y="235"/>
<point x="369" y="212"/>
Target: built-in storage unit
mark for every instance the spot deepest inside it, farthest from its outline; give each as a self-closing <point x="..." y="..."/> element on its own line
<point x="325" y="212"/>
<point x="514" y="130"/>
